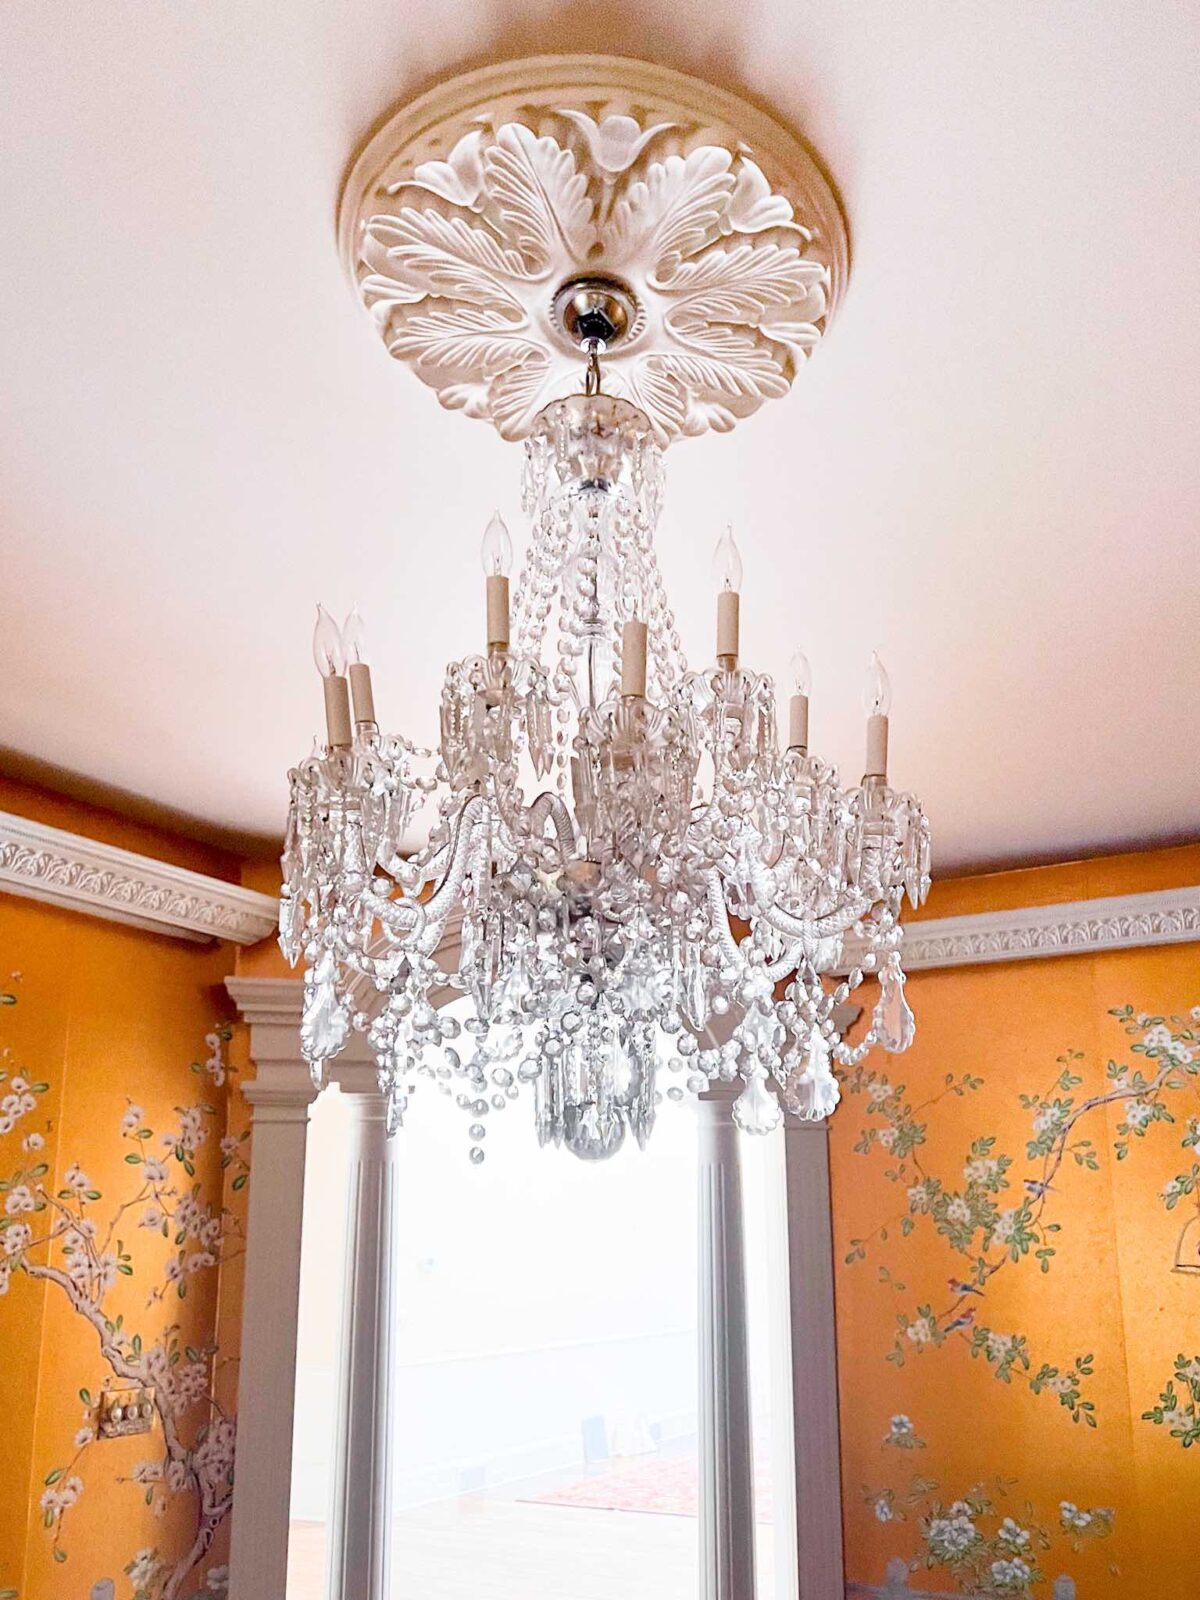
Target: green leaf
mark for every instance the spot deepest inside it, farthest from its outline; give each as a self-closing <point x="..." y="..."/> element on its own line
<point x="242" y="1178"/>
<point x="59" y="1553"/>
<point x="133" y="1159"/>
<point x="86" y="1396"/>
<point x="53" y="1477"/>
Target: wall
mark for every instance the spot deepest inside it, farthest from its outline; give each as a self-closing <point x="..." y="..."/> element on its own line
<point x="107" y="1019"/>
<point x="963" y="1406"/>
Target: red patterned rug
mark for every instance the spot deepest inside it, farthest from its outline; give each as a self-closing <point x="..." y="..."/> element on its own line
<point x="666" y="1485"/>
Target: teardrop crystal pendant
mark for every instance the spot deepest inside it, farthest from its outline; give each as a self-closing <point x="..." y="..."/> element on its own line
<point x="892" y="1019"/>
<point x="813" y="1094"/>
<point x="756" y="1110"/>
<point x="326" y="1022"/>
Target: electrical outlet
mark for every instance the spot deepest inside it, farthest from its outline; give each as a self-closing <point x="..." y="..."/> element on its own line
<point x="125" y="1411"/>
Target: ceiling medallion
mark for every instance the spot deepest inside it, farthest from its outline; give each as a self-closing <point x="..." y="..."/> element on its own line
<point x="472" y="214"/>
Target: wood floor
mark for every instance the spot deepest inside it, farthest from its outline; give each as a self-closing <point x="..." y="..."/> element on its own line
<point x="494" y="1549"/>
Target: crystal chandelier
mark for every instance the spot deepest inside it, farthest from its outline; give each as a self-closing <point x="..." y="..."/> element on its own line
<point x="635" y="885"/>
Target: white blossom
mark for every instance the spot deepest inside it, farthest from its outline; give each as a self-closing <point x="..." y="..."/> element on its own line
<point x="19" y="1199"/>
<point x="143" y="1568"/>
<point x="1072" y="1517"/>
<point x="1138" y="1113"/>
<point x="1014" y="1574"/>
<point x="1012" y="1533"/>
<point x="1004" y="1226"/>
<point x="952" y="1534"/>
<point x="17" y="1238"/>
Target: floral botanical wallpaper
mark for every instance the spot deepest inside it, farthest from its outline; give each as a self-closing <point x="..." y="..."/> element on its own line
<point x="1018" y="1229"/>
<point x="123" y="1180"/>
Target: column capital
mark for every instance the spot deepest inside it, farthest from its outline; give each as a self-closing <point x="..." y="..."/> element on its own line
<point x="272" y="1008"/>
<point x="356" y="1079"/>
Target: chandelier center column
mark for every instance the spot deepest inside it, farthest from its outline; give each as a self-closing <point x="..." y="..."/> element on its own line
<point x="726" y="1441"/>
<point x="359" y="1561"/>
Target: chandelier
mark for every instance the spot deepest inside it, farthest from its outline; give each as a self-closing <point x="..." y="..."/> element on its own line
<point x="636" y="885"/>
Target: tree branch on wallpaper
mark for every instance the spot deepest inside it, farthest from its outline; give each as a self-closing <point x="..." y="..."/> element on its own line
<point x="164" y="1198"/>
<point x="991" y="1237"/>
<point x="989" y="1547"/>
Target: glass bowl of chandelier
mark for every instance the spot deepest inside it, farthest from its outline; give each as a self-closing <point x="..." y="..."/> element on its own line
<point x="625" y="879"/>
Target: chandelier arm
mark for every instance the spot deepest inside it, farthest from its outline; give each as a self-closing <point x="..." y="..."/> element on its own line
<point x="439" y="905"/>
<point x="720" y="917"/>
<point x="834" y="923"/>
<point x="786" y="964"/>
<point x="401" y="920"/>
<point x="549" y="804"/>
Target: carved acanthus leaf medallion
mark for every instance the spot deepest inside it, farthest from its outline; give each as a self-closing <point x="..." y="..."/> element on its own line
<point x="460" y="236"/>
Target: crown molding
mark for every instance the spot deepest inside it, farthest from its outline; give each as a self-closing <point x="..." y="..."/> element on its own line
<point x="1074" y="927"/>
<point x="65" y="869"/>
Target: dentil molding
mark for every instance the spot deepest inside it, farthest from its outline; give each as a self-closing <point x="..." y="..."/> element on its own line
<point x="65" y="869"/>
<point x="469" y="209"/>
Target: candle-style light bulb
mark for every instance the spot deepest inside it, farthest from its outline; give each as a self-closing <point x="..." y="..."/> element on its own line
<point x="798" y="704"/>
<point x="354" y="647"/>
<point x="877" y="700"/>
<point x="354" y="637"/>
<point x="801" y="673"/>
<point x="496" y="551"/>
<point x="877" y="690"/>
<point x="328" y="652"/>
<point x="330" y="657"/>
<point x="727" y="563"/>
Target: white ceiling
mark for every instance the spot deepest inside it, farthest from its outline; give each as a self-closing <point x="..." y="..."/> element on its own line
<point x="989" y="472"/>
